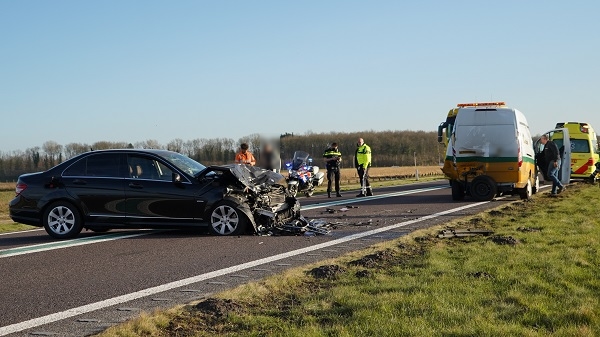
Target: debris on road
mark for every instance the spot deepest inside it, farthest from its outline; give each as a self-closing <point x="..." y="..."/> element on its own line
<point x="300" y="226"/>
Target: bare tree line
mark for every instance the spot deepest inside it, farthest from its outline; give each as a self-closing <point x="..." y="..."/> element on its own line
<point x="390" y="148"/>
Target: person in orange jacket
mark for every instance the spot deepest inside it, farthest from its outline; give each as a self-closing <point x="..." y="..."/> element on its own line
<point x="244" y="156"/>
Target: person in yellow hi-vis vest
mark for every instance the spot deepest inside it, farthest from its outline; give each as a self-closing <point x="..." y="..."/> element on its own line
<point x="362" y="161"/>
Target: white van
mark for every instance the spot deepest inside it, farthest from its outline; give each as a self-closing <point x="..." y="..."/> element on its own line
<point x="490" y="152"/>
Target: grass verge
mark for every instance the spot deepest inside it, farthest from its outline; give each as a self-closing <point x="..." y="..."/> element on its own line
<point x="537" y="275"/>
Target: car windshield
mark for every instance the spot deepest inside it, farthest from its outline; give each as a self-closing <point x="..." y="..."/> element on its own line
<point x="184" y="163"/>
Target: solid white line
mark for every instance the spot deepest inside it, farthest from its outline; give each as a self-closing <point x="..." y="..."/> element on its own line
<point x="35" y="322"/>
<point x="42" y="247"/>
<point x="375" y="197"/>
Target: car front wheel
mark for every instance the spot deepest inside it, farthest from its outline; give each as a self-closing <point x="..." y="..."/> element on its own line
<point x="227" y="219"/>
<point x="62" y="220"/>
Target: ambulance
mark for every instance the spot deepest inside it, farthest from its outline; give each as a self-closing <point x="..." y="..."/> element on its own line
<point x="584" y="148"/>
<point x="489" y="151"/>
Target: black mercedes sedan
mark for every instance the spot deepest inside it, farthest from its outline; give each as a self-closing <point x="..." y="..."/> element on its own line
<point x="130" y="188"/>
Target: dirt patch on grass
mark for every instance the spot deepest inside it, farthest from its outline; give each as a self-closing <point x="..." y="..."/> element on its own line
<point x="504" y="240"/>
<point x="218" y="307"/>
<point x="481" y="274"/>
<point x="209" y="315"/>
<point x="495" y="212"/>
<point x="529" y="229"/>
<point x="327" y="272"/>
<point x="374" y="260"/>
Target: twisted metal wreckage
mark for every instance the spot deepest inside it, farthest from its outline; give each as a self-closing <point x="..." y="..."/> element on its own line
<point x="268" y="205"/>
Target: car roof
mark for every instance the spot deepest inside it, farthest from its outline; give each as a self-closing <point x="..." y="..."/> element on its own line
<point x="152" y="151"/>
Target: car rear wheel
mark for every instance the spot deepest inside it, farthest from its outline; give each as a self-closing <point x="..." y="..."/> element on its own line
<point x="62" y="220"/>
<point x="483" y="188"/>
<point x="227" y="219"/>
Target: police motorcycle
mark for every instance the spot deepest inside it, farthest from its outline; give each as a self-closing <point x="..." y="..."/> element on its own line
<point x="302" y="175"/>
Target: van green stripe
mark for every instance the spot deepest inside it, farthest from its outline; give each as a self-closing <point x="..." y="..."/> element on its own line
<point x="490" y="159"/>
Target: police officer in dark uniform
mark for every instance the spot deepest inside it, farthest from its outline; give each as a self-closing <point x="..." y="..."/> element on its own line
<point x="333" y="158"/>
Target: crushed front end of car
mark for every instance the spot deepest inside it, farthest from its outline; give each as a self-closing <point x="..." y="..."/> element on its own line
<point x="266" y="200"/>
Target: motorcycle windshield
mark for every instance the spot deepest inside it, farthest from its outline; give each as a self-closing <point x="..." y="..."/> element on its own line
<point x="300" y="159"/>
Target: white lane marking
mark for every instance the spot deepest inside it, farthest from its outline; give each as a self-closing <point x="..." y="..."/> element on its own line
<point x="375" y="197"/>
<point x="67" y="244"/>
<point x="35" y="322"/>
<point x="19" y="232"/>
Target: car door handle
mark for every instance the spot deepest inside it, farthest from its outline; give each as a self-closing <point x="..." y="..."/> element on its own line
<point x="135" y="185"/>
<point x="79" y="182"/>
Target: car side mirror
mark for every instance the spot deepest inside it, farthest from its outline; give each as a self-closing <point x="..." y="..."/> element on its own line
<point x="175" y="177"/>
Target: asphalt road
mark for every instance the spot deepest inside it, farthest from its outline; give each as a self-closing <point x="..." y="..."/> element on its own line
<point x="80" y="287"/>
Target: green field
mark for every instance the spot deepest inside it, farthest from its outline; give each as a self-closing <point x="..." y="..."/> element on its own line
<point x="537" y="275"/>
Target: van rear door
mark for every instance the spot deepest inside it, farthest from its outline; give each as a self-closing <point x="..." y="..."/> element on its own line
<point x="564" y="175"/>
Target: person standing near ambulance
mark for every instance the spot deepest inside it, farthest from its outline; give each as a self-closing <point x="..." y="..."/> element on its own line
<point x="552" y="158"/>
<point x="362" y="161"/>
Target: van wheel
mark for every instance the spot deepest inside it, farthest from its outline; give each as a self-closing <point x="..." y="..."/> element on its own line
<point x="457" y="191"/>
<point x="526" y="192"/>
<point x="536" y="185"/>
<point x="483" y="188"/>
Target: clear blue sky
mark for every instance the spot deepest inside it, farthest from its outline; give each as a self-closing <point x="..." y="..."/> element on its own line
<point x="85" y="71"/>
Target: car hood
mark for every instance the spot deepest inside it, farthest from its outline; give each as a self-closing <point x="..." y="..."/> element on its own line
<point x="250" y="176"/>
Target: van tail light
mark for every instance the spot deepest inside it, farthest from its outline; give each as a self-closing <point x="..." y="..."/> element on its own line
<point x="520" y="157"/>
<point x="20" y="188"/>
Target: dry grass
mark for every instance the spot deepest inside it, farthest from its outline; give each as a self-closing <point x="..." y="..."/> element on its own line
<point x="350" y="174"/>
<point x="7" y="186"/>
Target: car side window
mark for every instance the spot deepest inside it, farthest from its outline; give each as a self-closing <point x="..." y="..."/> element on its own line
<point x="95" y="165"/>
<point x="141" y="167"/>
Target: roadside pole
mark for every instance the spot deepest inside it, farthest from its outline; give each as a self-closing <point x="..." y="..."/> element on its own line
<point x="416" y="169"/>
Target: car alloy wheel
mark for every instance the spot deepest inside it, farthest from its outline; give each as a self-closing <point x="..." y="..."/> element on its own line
<point x="227" y="219"/>
<point x="62" y="220"/>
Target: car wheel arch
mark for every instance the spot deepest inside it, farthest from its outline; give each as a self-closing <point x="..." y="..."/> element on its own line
<point x="47" y="203"/>
<point x="73" y="212"/>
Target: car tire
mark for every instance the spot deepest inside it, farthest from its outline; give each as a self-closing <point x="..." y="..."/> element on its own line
<point x="62" y="220"/>
<point x="526" y="192"/>
<point x="227" y="219"/>
<point x="457" y="191"/>
<point x="536" y="185"/>
<point x="483" y="188"/>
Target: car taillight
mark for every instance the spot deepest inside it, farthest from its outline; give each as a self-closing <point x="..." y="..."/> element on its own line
<point x="20" y="188"/>
<point x="520" y="157"/>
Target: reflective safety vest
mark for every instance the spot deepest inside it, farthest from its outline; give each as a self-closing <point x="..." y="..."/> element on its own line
<point x="363" y="155"/>
<point x="331" y="153"/>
